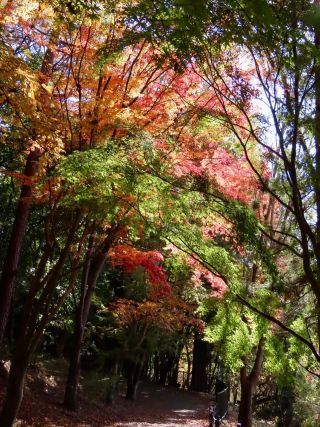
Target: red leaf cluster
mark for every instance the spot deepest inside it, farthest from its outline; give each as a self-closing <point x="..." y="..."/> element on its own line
<point x="129" y="258"/>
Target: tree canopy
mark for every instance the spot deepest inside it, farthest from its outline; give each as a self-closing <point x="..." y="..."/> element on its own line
<point x="159" y="172"/>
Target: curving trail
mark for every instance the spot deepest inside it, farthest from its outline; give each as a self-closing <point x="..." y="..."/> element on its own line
<point x="156" y="406"/>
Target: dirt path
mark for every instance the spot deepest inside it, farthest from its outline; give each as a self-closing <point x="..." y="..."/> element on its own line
<point x="155" y="406"/>
<point x="167" y="407"/>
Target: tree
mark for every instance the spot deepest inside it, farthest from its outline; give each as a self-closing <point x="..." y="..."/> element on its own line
<point x="285" y="67"/>
<point x="89" y="111"/>
<point x="126" y="130"/>
<point x="143" y="326"/>
<point x="22" y="99"/>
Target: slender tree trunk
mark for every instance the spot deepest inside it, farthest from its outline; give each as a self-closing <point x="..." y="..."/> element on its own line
<point x="71" y="390"/>
<point x="187" y="382"/>
<point x="15" y="387"/>
<point x="35" y="318"/>
<point x="11" y="262"/>
<point x="248" y="387"/>
<point x="91" y="274"/>
<point x="164" y="368"/>
<point x="133" y="377"/>
<point x="174" y="369"/>
<point x="72" y="384"/>
<point x="317" y="164"/>
<point x="156" y="375"/>
<point x="235" y="393"/>
<point x="10" y="266"/>
<point x="245" y="408"/>
<point x="201" y="360"/>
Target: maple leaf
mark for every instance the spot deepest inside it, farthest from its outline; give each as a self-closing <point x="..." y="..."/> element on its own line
<point x="129" y="258"/>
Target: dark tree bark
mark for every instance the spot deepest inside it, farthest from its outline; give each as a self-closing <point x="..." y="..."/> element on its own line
<point x="14" y="390"/>
<point x="70" y="397"/>
<point x="174" y="369"/>
<point x="36" y="316"/>
<point x="189" y="367"/>
<point x="10" y="266"/>
<point x="248" y="386"/>
<point x="11" y="262"/>
<point x="90" y="276"/>
<point x="156" y="372"/>
<point x="317" y="169"/>
<point x="168" y="366"/>
<point x="200" y="363"/>
<point x="134" y="369"/>
<point x="166" y="361"/>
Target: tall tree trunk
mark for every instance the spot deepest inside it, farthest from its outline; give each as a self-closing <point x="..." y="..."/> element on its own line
<point x="10" y="266"/>
<point x="156" y="368"/>
<point x="164" y="368"/>
<point x="133" y="377"/>
<point x="248" y="387"/>
<point x="91" y="273"/>
<point x="174" y="370"/>
<point x="189" y="366"/>
<point x="245" y="408"/>
<point x="35" y="318"/>
<point x="11" y="262"/>
<point x="71" y="390"/>
<point x="15" y="387"/>
<point x="317" y="166"/>
<point x="200" y="362"/>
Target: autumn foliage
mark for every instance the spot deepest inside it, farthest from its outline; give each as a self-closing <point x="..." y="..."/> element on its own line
<point x="129" y="153"/>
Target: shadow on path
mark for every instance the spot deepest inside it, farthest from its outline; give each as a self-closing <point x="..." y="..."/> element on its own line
<point x="166" y="407"/>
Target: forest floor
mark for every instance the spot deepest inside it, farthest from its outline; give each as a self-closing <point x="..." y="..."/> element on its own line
<point x="155" y="406"/>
